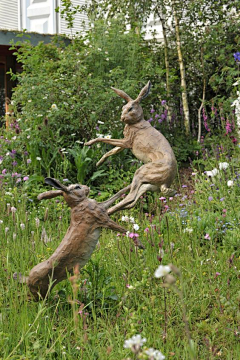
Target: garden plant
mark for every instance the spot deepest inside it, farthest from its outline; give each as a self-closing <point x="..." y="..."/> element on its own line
<point x="169" y="287"/>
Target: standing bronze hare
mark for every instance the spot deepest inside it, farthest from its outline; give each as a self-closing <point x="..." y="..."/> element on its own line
<point x="148" y="145"/>
<point x="87" y="217"/>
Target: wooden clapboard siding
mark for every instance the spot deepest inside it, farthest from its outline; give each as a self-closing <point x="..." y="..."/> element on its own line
<point x="9" y="14"/>
<point x="78" y="21"/>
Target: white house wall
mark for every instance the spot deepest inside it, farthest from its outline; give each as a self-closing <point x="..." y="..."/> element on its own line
<point x="39" y="16"/>
<point x="9" y="14"/>
<point x="78" y="25"/>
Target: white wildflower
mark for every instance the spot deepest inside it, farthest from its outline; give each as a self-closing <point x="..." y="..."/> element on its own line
<point x="212" y="173"/>
<point x="108" y="137"/>
<point x="44" y="237"/>
<point x="22" y="226"/>
<point x="188" y="230"/>
<point x="134" y="343"/>
<point x="136" y="227"/>
<point x="100" y="135"/>
<point x="230" y="183"/>
<point x="154" y="354"/>
<point x="100" y="122"/>
<point x="1" y="221"/>
<point x="132" y="220"/>
<point x="38" y="158"/>
<point x="162" y="271"/>
<point x="54" y="107"/>
<point x="223" y="165"/>
<point x="37" y="221"/>
<point x="125" y="218"/>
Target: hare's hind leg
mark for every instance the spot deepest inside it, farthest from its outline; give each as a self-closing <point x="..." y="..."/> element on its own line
<point x="144" y="188"/>
<point x="153" y="176"/>
<point x="136" y="184"/>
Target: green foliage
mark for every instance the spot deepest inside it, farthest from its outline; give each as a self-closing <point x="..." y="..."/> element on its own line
<point x="63" y="96"/>
<point x="116" y="295"/>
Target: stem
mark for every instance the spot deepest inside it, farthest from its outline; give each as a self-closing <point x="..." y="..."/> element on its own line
<point x="165" y="315"/>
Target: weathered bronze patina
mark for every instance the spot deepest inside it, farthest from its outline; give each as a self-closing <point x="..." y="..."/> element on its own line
<point x="148" y="145"/>
<point x="87" y="217"/>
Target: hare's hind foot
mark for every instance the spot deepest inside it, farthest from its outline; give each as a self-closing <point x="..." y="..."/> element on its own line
<point x="167" y="191"/>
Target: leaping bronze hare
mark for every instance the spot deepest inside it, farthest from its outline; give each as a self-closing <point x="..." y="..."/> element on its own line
<point x="148" y="145"/>
<point x="87" y="217"/>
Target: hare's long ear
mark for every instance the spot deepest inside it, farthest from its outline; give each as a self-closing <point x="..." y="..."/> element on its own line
<point x="144" y="92"/>
<point x="122" y="94"/>
<point x="56" y="184"/>
<point x="49" y="194"/>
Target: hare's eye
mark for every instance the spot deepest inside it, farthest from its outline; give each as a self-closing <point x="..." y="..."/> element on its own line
<point x="77" y="187"/>
<point x="130" y="109"/>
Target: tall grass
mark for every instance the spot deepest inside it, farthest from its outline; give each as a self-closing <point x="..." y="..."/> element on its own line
<point x="116" y="295"/>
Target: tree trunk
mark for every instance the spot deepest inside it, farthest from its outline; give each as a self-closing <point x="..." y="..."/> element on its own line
<point x="182" y="73"/>
<point x="169" y="108"/>
<point x="203" y="100"/>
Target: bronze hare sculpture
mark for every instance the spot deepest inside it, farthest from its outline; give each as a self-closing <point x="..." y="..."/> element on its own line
<point x="148" y="145"/>
<point x="87" y="217"/>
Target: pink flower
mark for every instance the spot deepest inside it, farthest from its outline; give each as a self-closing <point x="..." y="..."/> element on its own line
<point x="25" y="178"/>
<point x="207" y="236"/>
<point x="162" y="198"/>
<point x="133" y="235"/>
<point x="147" y="229"/>
<point x="228" y="127"/>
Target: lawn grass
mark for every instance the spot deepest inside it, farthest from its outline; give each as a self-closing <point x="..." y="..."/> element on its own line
<point x="117" y="295"/>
